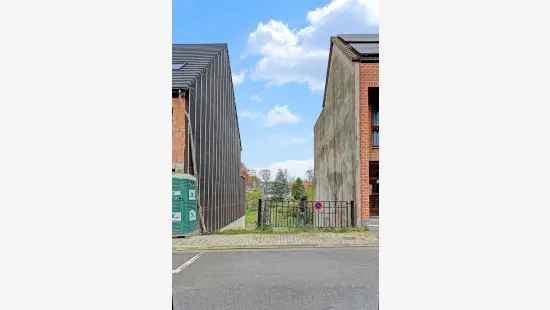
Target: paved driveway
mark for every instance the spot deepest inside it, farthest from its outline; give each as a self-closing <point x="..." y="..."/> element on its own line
<point x="336" y="278"/>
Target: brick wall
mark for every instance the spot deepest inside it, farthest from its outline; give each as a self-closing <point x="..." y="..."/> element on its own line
<point x="368" y="77"/>
<point x="178" y="132"/>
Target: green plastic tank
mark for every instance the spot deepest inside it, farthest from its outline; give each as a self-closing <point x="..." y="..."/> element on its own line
<point x="184" y="205"/>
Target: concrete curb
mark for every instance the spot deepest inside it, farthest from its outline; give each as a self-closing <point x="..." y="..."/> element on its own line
<point x="272" y="247"/>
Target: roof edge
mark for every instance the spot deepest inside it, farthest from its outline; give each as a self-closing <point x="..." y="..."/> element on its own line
<point x="220" y="52"/>
<point x="328" y="70"/>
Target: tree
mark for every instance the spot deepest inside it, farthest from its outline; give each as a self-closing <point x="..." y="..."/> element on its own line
<point x="298" y="190"/>
<point x="254" y="182"/>
<point x="252" y="198"/>
<point x="280" y="188"/>
<point x="310" y="191"/>
<point x="309" y="175"/>
<point x="265" y="176"/>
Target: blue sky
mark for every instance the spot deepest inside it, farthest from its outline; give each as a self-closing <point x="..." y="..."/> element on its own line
<point x="278" y="53"/>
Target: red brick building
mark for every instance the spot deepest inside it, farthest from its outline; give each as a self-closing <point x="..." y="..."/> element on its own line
<point x="307" y="185"/>
<point x="180" y="160"/>
<point x="246" y="177"/>
<point x="346" y="132"/>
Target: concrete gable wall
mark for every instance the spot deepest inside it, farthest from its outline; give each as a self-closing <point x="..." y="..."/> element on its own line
<point x="335" y="133"/>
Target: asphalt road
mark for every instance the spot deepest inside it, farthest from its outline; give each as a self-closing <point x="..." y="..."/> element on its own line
<point x="320" y="279"/>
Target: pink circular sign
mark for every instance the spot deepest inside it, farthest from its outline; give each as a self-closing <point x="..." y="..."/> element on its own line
<point x="318" y="205"/>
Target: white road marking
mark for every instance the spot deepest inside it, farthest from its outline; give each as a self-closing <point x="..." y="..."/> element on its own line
<point x="186" y="264"/>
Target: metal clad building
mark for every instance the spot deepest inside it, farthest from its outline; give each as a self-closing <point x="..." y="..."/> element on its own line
<point x="202" y="88"/>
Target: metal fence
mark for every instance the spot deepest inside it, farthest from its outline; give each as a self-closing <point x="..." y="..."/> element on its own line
<point x="319" y="214"/>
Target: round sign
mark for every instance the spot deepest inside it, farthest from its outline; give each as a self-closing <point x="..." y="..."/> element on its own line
<point x="318" y="205"/>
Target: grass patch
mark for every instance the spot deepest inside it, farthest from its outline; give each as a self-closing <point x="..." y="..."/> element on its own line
<point x="251" y="218"/>
<point x="234" y="232"/>
<point x="292" y="230"/>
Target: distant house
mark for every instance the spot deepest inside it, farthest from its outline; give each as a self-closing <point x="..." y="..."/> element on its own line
<point x="346" y="132"/>
<point x="250" y="179"/>
<point x="245" y="176"/>
<point x="206" y="141"/>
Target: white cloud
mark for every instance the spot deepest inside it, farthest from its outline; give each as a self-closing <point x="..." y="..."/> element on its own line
<point x="295" y="168"/>
<point x="238" y="78"/>
<point x="300" y="55"/>
<point x="256" y="98"/>
<point x="283" y="140"/>
<point x="280" y="115"/>
<point x="296" y="140"/>
<point x="249" y="114"/>
<point x="277" y="115"/>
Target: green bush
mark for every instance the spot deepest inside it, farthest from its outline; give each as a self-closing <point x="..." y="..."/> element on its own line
<point x="298" y="190"/>
<point x="252" y="198"/>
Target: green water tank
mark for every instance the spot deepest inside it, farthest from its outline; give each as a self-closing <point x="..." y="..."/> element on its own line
<point x="184" y="205"/>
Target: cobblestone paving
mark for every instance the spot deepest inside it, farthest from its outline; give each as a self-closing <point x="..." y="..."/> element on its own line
<point x="324" y="239"/>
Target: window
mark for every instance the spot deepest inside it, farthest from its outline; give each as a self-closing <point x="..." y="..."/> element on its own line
<point x="177" y="66"/>
<point x="375" y="115"/>
<point x="375" y="137"/>
<point x="375" y="188"/>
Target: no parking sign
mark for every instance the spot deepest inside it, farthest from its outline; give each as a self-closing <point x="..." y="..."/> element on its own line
<point x="318" y="205"/>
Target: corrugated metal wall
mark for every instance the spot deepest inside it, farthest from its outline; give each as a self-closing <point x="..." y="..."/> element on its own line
<point x="217" y="142"/>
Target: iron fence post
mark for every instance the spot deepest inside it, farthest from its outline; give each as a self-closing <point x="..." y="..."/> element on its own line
<point x="259" y="220"/>
<point x="352" y="207"/>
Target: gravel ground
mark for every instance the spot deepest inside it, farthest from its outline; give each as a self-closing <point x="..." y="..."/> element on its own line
<point x="229" y="241"/>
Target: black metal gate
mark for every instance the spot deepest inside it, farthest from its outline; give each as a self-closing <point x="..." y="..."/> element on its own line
<point x="319" y="214"/>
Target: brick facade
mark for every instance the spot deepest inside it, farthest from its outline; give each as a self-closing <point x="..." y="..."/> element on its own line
<point x="179" y="129"/>
<point x="368" y="77"/>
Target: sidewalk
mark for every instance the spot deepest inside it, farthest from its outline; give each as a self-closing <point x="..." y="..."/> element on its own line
<point x="266" y="241"/>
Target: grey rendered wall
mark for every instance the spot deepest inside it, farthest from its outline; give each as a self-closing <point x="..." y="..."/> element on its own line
<point x="335" y="133"/>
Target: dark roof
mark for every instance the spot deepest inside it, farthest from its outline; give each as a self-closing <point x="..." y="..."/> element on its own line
<point x="359" y="46"/>
<point x="194" y="58"/>
<point x="363" y="37"/>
